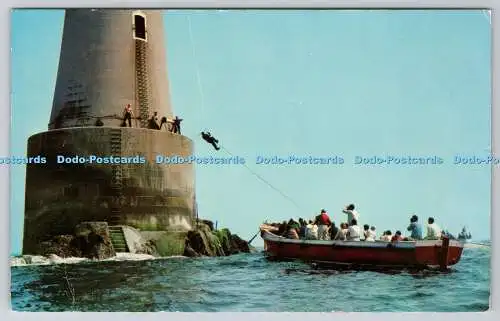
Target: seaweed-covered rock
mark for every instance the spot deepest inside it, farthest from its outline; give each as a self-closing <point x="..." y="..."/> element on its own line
<point x="90" y="240"/>
<point x="171" y="243"/>
<point x="209" y="223"/>
<point x="60" y="245"/>
<point x="200" y="241"/>
<point x="224" y="237"/>
<point x="204" y="241"/>
<point x="149" y="247"/>
<point x="239" y="245"/>
<point x="94" y="241"/>
<point x="189" y="252"/>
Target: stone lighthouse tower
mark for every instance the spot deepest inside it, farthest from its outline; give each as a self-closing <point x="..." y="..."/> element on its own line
<point x="109" y="59"/>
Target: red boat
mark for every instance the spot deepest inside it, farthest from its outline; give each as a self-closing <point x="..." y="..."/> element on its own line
<point x="379" y="254"/>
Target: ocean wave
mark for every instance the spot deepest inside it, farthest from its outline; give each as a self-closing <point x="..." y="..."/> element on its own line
<point x="29" y="260"/>
<point x="204" y="285"/>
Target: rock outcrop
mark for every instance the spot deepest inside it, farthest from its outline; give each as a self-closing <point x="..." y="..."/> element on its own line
<point x="90" y="240"/>
<point x="149" y="247"/>
<point x="94" y="240"/>
<point x="205" y="241"/>
<point x="61" y="245"/>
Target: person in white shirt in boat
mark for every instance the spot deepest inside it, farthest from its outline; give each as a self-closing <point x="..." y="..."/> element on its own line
<point x="352" y="214"/>
<point x="311" y="231"/>
<point x="386" y="236"/>
<point x="354" y="231"/>
<point x="366" y="228"/>
<point x="433" y="230"/>
<point x="342" y="234"/>
<point x="371" y="235"/>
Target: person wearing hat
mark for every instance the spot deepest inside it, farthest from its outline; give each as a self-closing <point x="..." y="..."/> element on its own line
<point x="323" y="221"/>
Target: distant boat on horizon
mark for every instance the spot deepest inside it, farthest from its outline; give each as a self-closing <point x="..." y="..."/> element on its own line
<point x="464" y="235"/>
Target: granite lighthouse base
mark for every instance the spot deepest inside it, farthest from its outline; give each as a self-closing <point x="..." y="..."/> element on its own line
<point x="147" y="196"/>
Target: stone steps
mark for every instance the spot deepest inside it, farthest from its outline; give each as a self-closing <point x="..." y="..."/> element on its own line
<point x="118" y="239"/>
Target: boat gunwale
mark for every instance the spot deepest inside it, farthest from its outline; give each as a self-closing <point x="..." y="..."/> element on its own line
<point x="402" y="245"/>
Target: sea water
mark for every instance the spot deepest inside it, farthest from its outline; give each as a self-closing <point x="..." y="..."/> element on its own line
<point x="243" y="282"/>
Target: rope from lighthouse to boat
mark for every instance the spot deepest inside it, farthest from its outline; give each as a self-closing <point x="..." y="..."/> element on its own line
<point x="317" y="228"/>
<point x="325" y="228"/>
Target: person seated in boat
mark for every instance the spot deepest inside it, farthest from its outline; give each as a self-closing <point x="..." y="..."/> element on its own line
<point x="371" y="234"/>
<point x="311" y="231"/>
<point x="314" y="231"/>
<point x="354" y="231"/>
<point x="415" y="228"/>
<point x="446" y="233"/>
<point x="292" y="233"/>
<point x="352" y="214"/>
<point x="342" y="233"/>
<point x="386" y="236"/>
<point x="334" y="231"/>
<point x="433" y="230"/>
<point x="397" y="237"/>
<point x="366" y="228"/>
<point x="282" y="229"/>
<point x="323" y="221"/>
<point x="302" y="229"/>
<point x="293" y="223"/>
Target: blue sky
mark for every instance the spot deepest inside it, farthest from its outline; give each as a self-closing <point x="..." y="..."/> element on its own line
<point x="320" y="83"/>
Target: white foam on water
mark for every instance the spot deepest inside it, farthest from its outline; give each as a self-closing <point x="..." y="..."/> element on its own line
<point x="26" y="260"/>
<point x="476" y="246"/>
<point x="130" y="257"/>
<point x="44" y="260"/>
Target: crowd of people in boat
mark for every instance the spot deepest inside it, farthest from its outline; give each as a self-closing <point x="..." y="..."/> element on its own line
<point x="323" y="228"/>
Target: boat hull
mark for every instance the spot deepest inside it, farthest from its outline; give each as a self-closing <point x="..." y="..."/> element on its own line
<point x="438" y="253"/>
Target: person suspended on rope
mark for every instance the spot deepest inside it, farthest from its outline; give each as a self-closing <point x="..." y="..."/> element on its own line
<point x="210" y="139"/>
<point x="127" y="115"/>
<point x="153" y="121"/>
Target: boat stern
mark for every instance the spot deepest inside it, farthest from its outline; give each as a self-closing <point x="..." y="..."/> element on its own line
<point x="442" y="253"/>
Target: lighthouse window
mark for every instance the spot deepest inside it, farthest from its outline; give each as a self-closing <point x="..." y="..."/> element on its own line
<point x="140" y="27"/>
